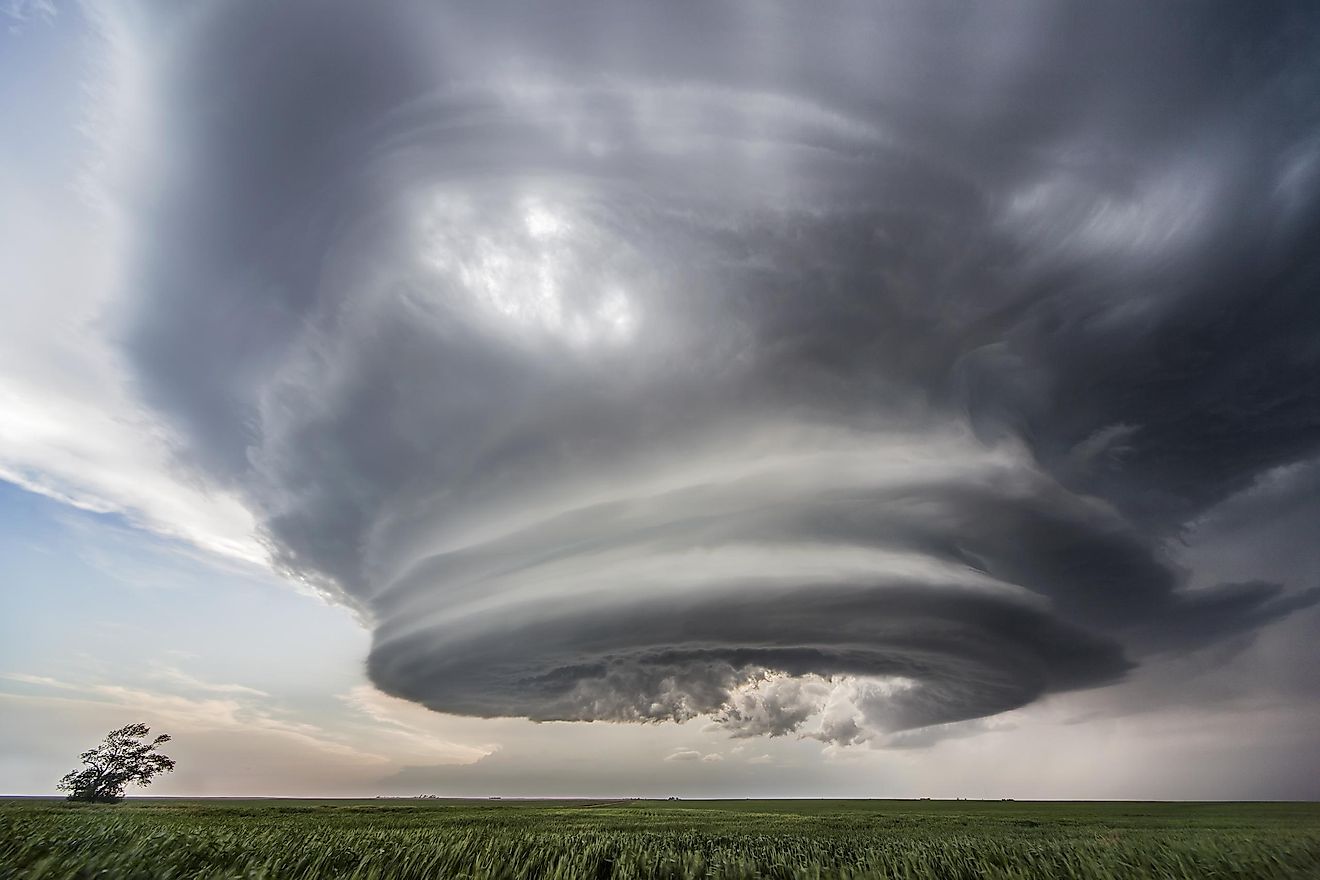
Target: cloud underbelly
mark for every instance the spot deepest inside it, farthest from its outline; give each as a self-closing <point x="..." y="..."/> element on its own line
<point x="832" y="563"/>
<point x="964" y="656"/>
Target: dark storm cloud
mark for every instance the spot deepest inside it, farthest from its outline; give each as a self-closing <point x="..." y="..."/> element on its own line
<point x="862" y="361"/>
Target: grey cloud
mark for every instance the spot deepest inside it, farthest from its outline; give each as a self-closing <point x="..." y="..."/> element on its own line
<point x="613" y="362"/>
<point x="930" y="736"/>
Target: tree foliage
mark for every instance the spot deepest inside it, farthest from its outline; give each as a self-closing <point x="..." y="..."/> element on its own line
<point x="125" y="757"/>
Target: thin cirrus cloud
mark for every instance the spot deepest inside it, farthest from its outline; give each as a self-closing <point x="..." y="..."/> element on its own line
<point x="836" y="371"/>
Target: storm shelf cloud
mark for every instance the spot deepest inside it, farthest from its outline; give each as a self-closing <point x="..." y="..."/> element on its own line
<point x="832" y="369"/>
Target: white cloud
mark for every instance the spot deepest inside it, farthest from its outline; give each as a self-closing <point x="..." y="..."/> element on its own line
<point x="185" y="714"/>
<point x="40" y="680"/>
<point x="179" y="677"/>
<point x="73" y="428"/>
<point x="408" y="729"/>
<point x="683" y="754"/>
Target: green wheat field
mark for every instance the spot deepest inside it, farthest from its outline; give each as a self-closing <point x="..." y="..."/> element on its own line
<point x="163" y="838"/>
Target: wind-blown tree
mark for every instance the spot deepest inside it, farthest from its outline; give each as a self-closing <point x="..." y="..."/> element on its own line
<point x="125" y="757"/>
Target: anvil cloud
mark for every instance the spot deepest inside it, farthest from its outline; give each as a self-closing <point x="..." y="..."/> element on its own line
<point x="830" y="368"/>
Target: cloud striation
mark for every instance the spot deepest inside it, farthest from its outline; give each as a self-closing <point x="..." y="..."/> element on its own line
<point x="853" y="362"/>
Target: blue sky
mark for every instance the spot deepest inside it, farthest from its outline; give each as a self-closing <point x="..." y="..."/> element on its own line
<point x="912" y="401"/>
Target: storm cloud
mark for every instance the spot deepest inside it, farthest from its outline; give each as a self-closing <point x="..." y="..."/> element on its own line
<point x="838" y="369"/>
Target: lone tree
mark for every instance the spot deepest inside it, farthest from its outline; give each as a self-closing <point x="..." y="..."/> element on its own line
<point x="125" y="756"/>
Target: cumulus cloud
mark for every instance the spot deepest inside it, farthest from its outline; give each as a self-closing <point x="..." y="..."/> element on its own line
<point x="830" y="374"/>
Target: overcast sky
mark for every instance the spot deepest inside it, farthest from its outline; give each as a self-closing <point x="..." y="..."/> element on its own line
<point x="738" y="398"/>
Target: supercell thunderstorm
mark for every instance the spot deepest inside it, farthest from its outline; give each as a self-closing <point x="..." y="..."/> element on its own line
<point x="832" y="369"/>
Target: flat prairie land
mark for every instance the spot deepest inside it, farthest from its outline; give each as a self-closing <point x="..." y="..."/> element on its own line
<point x="948" y="840"/>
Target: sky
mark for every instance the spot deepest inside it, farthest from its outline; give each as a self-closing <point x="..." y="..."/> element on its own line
<point x="866" y="399"/>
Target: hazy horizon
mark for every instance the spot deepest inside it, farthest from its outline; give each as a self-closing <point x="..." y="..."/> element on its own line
<point x="894" y="399"/>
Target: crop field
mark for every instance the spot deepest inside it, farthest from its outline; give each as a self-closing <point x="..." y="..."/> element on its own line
<point x="150" y="838"/>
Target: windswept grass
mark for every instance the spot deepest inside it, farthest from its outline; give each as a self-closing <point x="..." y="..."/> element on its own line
<point x="649" y="839"/>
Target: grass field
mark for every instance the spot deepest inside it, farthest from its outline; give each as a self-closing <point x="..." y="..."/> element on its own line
<point x="662" y="839"/>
